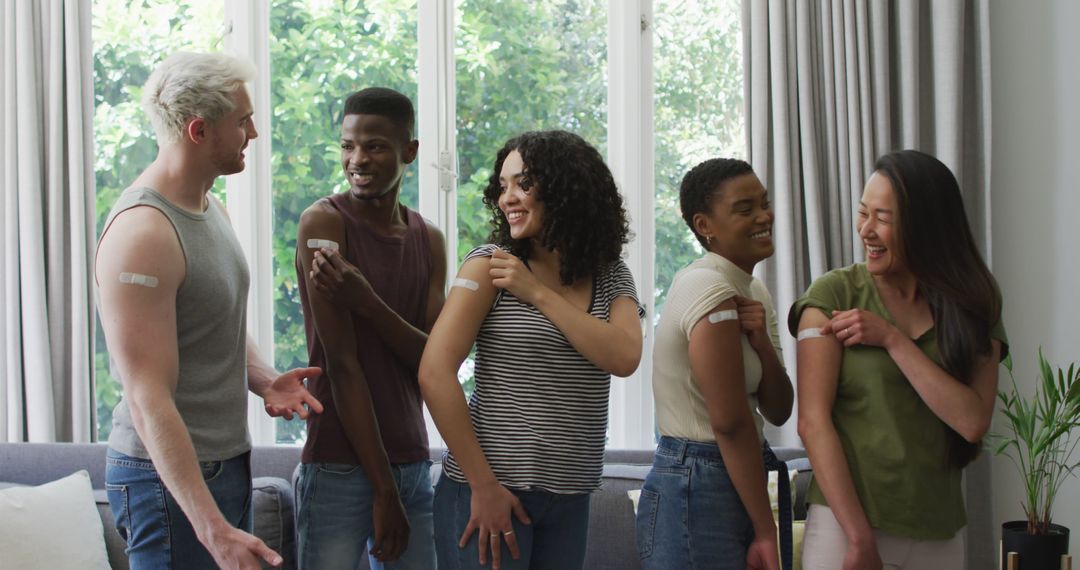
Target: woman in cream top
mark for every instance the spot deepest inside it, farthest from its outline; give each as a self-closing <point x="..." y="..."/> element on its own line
<point x="716" y="365"/>
<point x="699" y="287"/>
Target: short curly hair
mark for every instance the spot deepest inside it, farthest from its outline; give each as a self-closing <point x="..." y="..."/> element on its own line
<point x="703" y="183"/>
<point x="584" y="218"/>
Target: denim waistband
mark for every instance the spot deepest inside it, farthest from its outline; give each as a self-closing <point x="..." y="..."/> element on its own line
<point x="686" y="448"/>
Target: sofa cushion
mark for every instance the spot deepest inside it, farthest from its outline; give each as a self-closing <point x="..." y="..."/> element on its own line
<point x="54" y="525"/>
<point x="272" y="516"/>
<point x="611" y="519"/>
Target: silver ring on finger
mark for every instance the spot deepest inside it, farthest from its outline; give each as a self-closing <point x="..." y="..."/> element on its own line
<point x="508" y="533"/>
<point x="847" y="332"/>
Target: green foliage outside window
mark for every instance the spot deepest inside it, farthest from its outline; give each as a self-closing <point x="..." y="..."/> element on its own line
<point x="698" y="113"/>
<point x="523" y="66"/>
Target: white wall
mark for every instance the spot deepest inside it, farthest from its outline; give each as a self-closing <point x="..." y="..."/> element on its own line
<point x="1035" y="72"/>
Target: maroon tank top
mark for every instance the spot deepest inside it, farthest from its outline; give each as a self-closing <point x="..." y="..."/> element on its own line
<point x="399" y="270"/>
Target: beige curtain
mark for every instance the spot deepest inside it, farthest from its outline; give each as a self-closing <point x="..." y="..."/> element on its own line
<point x="830" y="86"/>
<point x="46" y="212"/>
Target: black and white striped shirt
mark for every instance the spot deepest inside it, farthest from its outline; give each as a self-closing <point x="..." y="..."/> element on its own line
<point x="540" y="409"/>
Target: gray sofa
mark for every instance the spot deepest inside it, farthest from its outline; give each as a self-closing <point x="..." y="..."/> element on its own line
<point x="611" y="524"/>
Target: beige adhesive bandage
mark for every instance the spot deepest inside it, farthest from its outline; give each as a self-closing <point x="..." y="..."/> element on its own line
<point x="138" y="279"/>
<point x="466" y="283"/>
<point x="318" y="243"/>
<point x="721" y="316"/>
<point x="809" y="333"/>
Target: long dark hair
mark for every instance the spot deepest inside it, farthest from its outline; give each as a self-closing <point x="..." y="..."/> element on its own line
<point x="938" y="248"/>
<point x="584" y="219"/>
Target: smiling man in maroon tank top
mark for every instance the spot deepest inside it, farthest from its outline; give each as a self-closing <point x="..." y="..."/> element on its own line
<point x="372" y="275"/>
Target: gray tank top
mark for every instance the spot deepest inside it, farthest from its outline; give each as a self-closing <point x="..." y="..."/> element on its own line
<point x="211" y="331"/>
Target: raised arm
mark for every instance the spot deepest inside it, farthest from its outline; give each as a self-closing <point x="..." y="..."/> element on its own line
<point x="140" y="327"/>
<point x="451" y="338"/>
<point x="337" y="279"/>
<point x="717" y="368"/>
<point x="818" y="377"/>
<point x="352" y="397"/>
<point x="775" y="394"/>
<point x="613" y="346"/>
<point x="966" y="408"/>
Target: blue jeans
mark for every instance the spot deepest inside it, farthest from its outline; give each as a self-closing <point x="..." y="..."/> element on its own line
<point x="690" y="515"/>
<point x="555" y="540"/>
<point x="157" y="532"/>
<point x="334" y="523"/>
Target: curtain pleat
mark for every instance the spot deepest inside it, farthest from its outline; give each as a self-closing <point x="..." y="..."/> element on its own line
<point x="46" y="383"/>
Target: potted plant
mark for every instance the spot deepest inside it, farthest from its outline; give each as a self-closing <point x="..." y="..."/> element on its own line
<point x="1038" y="437"/>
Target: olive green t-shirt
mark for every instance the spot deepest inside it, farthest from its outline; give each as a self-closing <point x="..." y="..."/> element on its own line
<point x="896" y="447"/>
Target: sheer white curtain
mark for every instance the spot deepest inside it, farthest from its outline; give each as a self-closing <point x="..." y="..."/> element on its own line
<point x="830" y="86"/>
<point x="46" y="215"/>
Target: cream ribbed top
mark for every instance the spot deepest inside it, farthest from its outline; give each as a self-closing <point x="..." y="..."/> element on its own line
<point x="695" y="292"/>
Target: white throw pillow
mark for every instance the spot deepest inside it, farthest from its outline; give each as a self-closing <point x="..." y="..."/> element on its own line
<point x="55" y="525"/>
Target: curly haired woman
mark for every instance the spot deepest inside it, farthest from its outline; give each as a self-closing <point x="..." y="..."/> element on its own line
<point x="554" y="313"/>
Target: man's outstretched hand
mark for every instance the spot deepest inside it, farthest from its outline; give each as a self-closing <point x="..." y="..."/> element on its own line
<point x="287" y="395"/>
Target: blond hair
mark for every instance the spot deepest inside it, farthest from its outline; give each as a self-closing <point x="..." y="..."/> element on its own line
<point x="188" y="85"/>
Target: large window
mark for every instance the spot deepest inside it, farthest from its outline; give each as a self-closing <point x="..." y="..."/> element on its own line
<point x="480" y="72"/>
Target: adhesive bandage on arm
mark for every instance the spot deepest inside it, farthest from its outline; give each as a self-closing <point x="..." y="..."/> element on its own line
<point x="721" y="316"/>
<point x="138" y="279"/>
<point x="809" y="333"/>
<point x="466" y="283"/>
<point x="319" y="243"/>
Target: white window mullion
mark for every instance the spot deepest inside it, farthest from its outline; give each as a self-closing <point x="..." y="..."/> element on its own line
<point x="437" y="161"/>
<point x="630" y="156"/>
<point x="248" y="193"/>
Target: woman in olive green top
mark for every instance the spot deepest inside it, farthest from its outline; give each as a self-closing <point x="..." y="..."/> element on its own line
<point x="898" y="388"/>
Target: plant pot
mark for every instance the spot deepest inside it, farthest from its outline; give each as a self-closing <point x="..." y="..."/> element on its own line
<point x="1037" y="552"/>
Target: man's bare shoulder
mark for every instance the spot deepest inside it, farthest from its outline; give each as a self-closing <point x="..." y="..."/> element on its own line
<point x="321" y="214"/>
<point x="318" y="223"/>
<point x="140" y="240"/>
